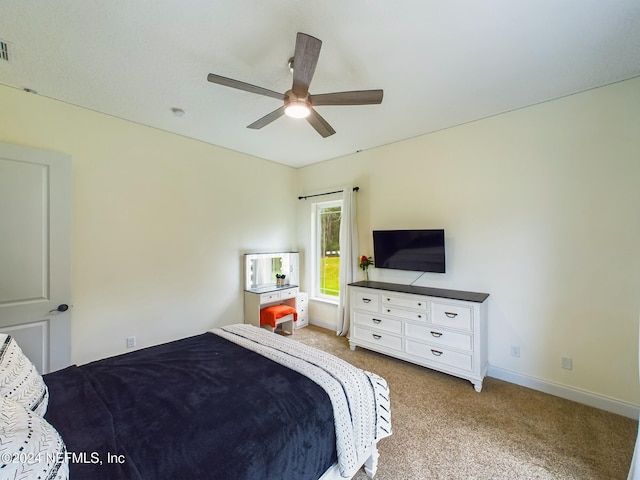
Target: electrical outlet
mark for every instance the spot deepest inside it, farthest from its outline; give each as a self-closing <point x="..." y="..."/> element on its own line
<point x="567" y="363"/>
<point x="515" y="351"/>
<point x="131" y="342"/>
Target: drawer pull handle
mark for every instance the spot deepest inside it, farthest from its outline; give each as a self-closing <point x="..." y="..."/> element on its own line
<point x="376" y="336"/>
<point x="451" y="314"/>
<point x="419" y="304"/>
<point x="388" y="311"/>
<point x="436" y="334"/>
<point x="437" y="353"/>
<point x="376" y="320"/>
<point x="419" y="316"/>
<point x="366" y="300"/>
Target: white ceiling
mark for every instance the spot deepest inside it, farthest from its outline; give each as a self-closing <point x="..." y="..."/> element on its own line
<point x="440" y="62"/>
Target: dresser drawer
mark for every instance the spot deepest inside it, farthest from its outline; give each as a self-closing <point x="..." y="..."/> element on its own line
<point x="302" y="307"/>
<point x="288" y="293"/>
<point x="379" y="338"/>
<point x="454" y="316"/>
<point x="269" y="297"/>
<point x="303" y="319"/>
<point x="408" y="301"/>
<point x="439" y="336"/>
<point x="419" y="316"/>
<point x="366" y="301"/>
<point x="439" y="355"/>
<point x="377" y="322"/>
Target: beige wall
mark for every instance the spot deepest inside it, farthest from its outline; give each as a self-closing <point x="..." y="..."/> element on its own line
<point x="541" y="210"/>
<point x="160" y="223"/>
<point x="540" y="207"/>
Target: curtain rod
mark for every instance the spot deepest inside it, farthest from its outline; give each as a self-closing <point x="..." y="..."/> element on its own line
<point x="355" y="189"/>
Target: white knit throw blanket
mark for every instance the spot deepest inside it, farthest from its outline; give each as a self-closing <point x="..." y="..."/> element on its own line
<point x="360" y="399"/>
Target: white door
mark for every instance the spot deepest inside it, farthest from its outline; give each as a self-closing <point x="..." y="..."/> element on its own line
<point x="35" y="253"/>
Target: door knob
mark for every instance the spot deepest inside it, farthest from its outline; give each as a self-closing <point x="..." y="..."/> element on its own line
<point x="63" y="307"/>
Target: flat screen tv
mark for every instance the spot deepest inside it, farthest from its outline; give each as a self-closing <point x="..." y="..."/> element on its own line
<point x="417" y="250"/>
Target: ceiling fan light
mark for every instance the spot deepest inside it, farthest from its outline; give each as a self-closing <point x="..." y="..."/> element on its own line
<point x="297" y="109"/>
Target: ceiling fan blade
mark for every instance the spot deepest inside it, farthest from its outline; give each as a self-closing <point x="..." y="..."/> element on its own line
<point x="267" y="119"/>
<point x="247" y="87"/>
<point x="320" y="124"/>
<point x="359" y="97"/>
<point x="305" y="60"/>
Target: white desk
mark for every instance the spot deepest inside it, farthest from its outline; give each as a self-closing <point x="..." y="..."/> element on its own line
<point x="258" y="298"/>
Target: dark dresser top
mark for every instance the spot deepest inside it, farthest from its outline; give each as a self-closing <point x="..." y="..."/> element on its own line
<point x="428" y="291"/>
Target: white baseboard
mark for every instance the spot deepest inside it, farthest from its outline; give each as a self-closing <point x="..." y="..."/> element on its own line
<point x="323" y="324"/>
<point x="570" y="393"/>
<point x="563" y="391"/>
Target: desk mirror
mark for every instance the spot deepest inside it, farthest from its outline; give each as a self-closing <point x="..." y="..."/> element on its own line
<point x="260" y="270"/>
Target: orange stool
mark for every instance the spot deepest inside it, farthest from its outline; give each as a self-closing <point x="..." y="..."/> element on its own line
<point x="279" y="315"/>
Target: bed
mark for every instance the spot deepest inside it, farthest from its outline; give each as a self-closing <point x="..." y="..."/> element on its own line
<point x="235" y="402"/>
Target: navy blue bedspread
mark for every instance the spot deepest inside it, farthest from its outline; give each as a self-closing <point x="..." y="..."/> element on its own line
<point x="197" y="408"/>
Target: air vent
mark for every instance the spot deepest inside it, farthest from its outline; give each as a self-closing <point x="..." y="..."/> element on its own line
<point x="6" y="51"/>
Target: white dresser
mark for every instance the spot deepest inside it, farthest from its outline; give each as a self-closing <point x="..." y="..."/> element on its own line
<point x="302" y="307"/>
<point x="445" y="330"/>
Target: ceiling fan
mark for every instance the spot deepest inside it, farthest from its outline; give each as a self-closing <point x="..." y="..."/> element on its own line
<point x="298" y="102"/>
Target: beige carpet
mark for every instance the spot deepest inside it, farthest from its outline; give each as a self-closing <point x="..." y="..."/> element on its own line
<point x="443" y="429"/>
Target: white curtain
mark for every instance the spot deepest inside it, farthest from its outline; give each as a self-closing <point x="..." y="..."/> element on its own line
<point x="348" y="257"/>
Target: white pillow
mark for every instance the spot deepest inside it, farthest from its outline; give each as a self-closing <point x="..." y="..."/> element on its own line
<point x="31" y="448"/>
<point x="19" y="379"/>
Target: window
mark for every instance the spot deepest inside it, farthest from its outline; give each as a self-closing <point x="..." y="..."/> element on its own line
<point x="326" y="261"/>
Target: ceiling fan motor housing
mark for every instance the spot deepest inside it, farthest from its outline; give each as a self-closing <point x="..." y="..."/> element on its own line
<point x="296" y="107"/>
